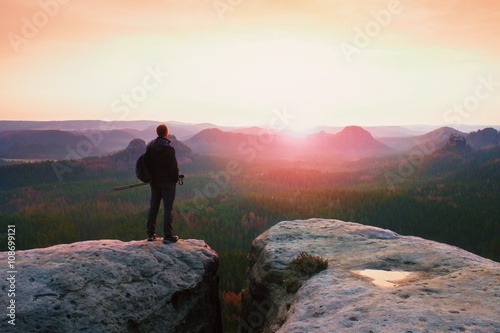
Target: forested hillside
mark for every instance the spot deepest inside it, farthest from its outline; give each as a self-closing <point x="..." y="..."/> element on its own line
<point x="451" y="196"/>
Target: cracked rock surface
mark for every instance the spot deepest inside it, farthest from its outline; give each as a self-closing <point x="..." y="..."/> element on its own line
<point x="447" y="289"/>
<point x="114" y="286"/>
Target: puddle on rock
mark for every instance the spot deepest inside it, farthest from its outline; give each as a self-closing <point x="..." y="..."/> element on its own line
<point x="384" y="279"/>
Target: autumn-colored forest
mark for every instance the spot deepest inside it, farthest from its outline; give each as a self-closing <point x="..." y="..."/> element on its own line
<point x="453" y="203"/>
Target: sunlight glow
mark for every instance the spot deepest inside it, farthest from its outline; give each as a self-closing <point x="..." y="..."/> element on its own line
<point x="233" y="72"/>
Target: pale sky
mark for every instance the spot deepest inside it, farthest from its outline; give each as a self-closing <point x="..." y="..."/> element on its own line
<point x="232" y="62"/>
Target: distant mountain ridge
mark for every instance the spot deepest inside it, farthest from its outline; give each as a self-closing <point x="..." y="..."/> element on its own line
<point x="73" y="125"/>
<point x="56" y="144"/>
<point x="352" y="141"/>
<point x="486" y="138"/>
<point x="436" y="138"/>
<point x="143" y="129"/>
<point x="207" y="139"/>
<point x="218" y="142"/>
<point x="185" y="130"/>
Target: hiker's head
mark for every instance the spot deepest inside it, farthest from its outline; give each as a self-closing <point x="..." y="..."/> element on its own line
<point x="162" y="131"/>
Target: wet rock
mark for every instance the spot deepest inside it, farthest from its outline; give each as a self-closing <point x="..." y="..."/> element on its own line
<point x="446" y="289"/>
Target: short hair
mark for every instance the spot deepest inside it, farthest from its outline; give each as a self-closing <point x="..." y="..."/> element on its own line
<point x="162" y="130"/>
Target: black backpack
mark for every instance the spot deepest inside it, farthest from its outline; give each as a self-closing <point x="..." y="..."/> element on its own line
<point x="142" y="170"/>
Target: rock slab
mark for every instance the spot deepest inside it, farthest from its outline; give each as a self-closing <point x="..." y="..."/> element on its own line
<point x="447" y="289"/>
<point x="114" y="286"/>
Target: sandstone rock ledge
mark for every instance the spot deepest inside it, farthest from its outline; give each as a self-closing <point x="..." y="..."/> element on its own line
<point x="114" y="286"/>
<point x="448" y="289"/>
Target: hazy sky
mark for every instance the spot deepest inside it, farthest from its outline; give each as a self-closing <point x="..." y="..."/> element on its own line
<point x="235" y="62"/>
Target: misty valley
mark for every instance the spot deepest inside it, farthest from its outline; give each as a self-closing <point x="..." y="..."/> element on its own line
<point x="440" y="184"/>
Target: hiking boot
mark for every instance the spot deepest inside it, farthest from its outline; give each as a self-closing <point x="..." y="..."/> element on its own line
<point x="171" y="239"/>
<point x="151" y="237"/>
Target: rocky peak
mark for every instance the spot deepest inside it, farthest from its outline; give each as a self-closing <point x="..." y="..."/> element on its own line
<point x="355" y="133"/>
<point x="210" y="134"/>
<point x="457" y="141"/>
<point x="352" y="141"/>
<point x="485" y="138"/>
<point x="376" y="281"/>
<point x="113" y="286"/>
<point x="137" y="144"/>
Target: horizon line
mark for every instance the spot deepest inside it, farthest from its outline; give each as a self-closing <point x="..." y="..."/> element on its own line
<point x="249" y="125"/>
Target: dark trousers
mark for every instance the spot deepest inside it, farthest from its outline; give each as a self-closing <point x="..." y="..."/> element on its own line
<point x="167" y="193"/>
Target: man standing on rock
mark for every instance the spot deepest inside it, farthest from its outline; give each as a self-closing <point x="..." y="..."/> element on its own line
<point x="165" y="173"/>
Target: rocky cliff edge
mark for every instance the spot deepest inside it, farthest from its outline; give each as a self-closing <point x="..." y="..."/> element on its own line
<point x="114" y="286"/>
<point x="376" y="281"/>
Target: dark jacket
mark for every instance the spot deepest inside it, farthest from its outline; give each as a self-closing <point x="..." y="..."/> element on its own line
<point x="162" y="162"/>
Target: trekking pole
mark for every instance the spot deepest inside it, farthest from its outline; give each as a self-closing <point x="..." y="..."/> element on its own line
<point x="126" y="187"/>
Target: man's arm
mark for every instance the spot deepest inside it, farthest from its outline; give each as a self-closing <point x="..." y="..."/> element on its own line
<point x="173" y="167"/>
